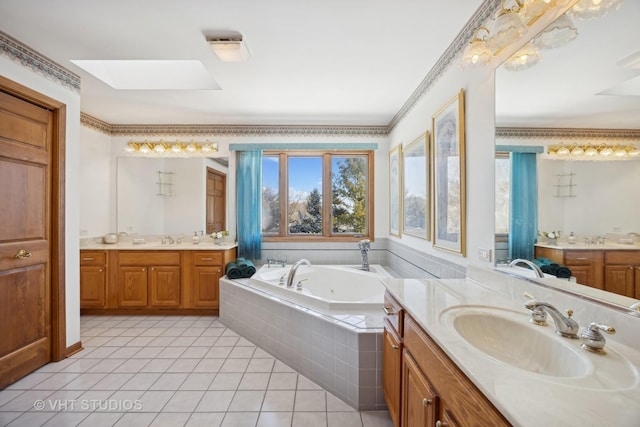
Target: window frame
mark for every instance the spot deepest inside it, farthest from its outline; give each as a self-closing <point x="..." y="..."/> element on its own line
<point x="327" y="232"/>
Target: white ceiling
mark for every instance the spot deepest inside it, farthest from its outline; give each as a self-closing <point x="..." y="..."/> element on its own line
<point x="313" y="62"/>
<point x="572" y="86"/>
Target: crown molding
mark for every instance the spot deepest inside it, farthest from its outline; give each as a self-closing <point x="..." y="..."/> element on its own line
<point x="29" y="58"/>
<point x="230" y="130"/>
<point x="567" y="133"/>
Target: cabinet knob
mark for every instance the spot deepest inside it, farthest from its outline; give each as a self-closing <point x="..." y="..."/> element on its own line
<point x="23" y="254"/>
<point x="219" y="270"/>
<point x="426" y="401"/>
<point x="441" y="423"/>
<point x="395" y="346"/>
<point x="100" y="271"/>
<point x="388" y="311"/>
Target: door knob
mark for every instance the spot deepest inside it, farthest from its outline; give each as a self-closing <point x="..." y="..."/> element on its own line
<point x="23" y="253"/>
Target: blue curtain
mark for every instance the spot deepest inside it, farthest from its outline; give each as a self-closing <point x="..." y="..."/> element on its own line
<point x="523" y="229"/>
<point x="249" y="203"/>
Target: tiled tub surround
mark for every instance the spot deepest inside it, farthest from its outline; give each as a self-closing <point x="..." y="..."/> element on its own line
<point x="398" y="258"/>
<point x="342" y="352"/>
<point x="524" y="397"/>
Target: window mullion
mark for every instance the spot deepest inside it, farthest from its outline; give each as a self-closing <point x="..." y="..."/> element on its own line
<point x="284" y="196"/>
<point x="326" y="195"/>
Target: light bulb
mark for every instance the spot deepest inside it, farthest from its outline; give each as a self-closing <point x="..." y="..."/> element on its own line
<point x="563" y="151"/>
<point x="577" y="151"/>
<point x="606" y="151"/>
<point x="591" y="151"/>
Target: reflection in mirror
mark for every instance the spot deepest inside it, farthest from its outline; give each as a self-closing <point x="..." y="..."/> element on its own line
<point x="160" y="196"/>
<point x="585" y="92"/>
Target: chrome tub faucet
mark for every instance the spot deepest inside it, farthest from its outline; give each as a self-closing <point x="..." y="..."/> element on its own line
<point x="294" y="268"/>
<point x="364" y="246"/>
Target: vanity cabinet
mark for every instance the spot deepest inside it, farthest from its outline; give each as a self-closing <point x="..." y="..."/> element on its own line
<point x="149" y="279"/>
<point x="585" y="265"/>
<point x="184" y="281"/>
<point x="93" y="279"/>
<point x="422" y="386"/>
<point x="622" y="273"/>
<point x="207" y="268"/>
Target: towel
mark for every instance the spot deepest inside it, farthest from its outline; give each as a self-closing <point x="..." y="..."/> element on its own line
<point x="563" y="273"/>
<point x="246" y="267"/>
<point x="232" y="271"/>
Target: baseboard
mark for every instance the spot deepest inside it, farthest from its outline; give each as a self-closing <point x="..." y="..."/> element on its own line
<point x="73" y="349"/>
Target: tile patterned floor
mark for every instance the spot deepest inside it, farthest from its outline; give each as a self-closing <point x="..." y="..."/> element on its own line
<point x="172" y="371"/>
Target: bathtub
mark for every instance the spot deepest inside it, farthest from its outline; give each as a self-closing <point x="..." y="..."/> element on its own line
<point x="330" y="330"/>
<point x="325" y="287"/>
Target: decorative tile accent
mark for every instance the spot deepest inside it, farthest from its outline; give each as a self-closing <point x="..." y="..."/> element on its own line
<point x="29" y="58"/>
<point x="565" y="133"/>
<point x="94" y="123"/>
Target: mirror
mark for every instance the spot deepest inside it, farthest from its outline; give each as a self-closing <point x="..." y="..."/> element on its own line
<point x="161" y="196"/>
<point x="593" y="82"/>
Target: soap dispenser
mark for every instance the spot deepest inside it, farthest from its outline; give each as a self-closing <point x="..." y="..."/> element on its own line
<point x="196" y="238"/>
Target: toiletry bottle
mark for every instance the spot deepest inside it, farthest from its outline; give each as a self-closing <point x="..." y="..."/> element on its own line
<point x="196" y="238"/>
<point x="572" y="238"/>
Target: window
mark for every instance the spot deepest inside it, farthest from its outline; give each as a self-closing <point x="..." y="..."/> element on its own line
<point x="314" y="194"/>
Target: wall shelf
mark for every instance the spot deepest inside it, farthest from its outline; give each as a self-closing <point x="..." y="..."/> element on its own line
<point x="165" y="183"/>
<point x="564" y="185"/>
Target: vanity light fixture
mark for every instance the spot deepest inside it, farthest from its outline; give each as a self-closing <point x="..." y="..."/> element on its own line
<point x="525" y="58"/>
<point x="507" y="27"/>
<point x="558" y="33"/>
<point x="170" y="149"/>
<point x="593" y="152"/>
<point x="590" y="9"/>
<point x="510" y="23"/>
<point x="477" y="52"/>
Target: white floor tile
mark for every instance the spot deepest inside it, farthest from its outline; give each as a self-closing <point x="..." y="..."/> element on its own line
<point x="206" y="419"/>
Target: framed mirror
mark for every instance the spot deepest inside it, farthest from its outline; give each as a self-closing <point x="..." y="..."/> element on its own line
<point x="586" y="92"/>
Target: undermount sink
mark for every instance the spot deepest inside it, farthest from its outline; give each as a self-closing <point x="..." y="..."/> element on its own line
<point x="507" y="336"/>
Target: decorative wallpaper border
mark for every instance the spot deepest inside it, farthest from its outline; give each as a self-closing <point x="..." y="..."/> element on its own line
<point x="230" y="130"/>
<point x="566" y="133"/>
<point x="29" y="58"/>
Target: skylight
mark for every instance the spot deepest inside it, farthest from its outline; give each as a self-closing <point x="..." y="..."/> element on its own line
<point x="150" y="74"/>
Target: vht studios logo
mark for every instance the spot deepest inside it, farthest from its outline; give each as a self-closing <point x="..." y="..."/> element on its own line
<point x="58" y="405"/>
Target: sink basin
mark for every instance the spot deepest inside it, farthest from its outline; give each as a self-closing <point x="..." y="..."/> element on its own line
<point x="507" y="336"/>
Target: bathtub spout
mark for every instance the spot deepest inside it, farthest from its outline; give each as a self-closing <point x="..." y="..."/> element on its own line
<point x="293" y="270"/>
<point x="364" y="246"/>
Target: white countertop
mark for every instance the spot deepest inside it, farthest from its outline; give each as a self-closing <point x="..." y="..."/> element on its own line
<point x="591" y="247"/>
<point x="158" y="246"/>
<point x="524" y="398"/>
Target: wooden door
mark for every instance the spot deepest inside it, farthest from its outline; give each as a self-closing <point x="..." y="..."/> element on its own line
<point x="25" y="233"/>
<point x="132" y="286"/>
<point x="164" y="286"/>
<point x="216" y="201"/>
<point x="420" y="402"/>
<point x="391" y="372"/>
<point x="206" y="287"/>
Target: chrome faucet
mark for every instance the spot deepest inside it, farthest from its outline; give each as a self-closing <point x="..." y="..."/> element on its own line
<point x="533" y="266"/>
<point x="565" y="326"/>
<point x="364" y="246"/>
<point x="592" y="339"/>
<point x="293" y="270"/>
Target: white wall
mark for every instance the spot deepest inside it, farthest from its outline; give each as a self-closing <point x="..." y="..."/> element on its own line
<point x="26" y="77"/>
<point x="479" y="121"/>
<point x="95" y="183"/>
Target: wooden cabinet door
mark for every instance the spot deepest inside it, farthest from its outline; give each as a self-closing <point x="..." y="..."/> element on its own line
<point x="164" y="286"/>
<point x="132" y="286"/>
<point x="206" y="287"/>
<point x="392" y="372"/>
<point x="93" y="281"/>
<point x="583" y="274"/>
<point x="619" y="279"/>
<point x="420" y="402"/>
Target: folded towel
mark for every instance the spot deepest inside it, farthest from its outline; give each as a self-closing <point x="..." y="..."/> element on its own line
<point x="546" y="269"/>
<point x="232" y="271"/>
<point x="246" y="267"/>
<point x="543" y="260"/>
<point x="563" y="273"/>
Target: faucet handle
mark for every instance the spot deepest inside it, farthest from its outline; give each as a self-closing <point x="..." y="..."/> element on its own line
<point x="592" y="339"/>
<point x="538" y="315"/>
